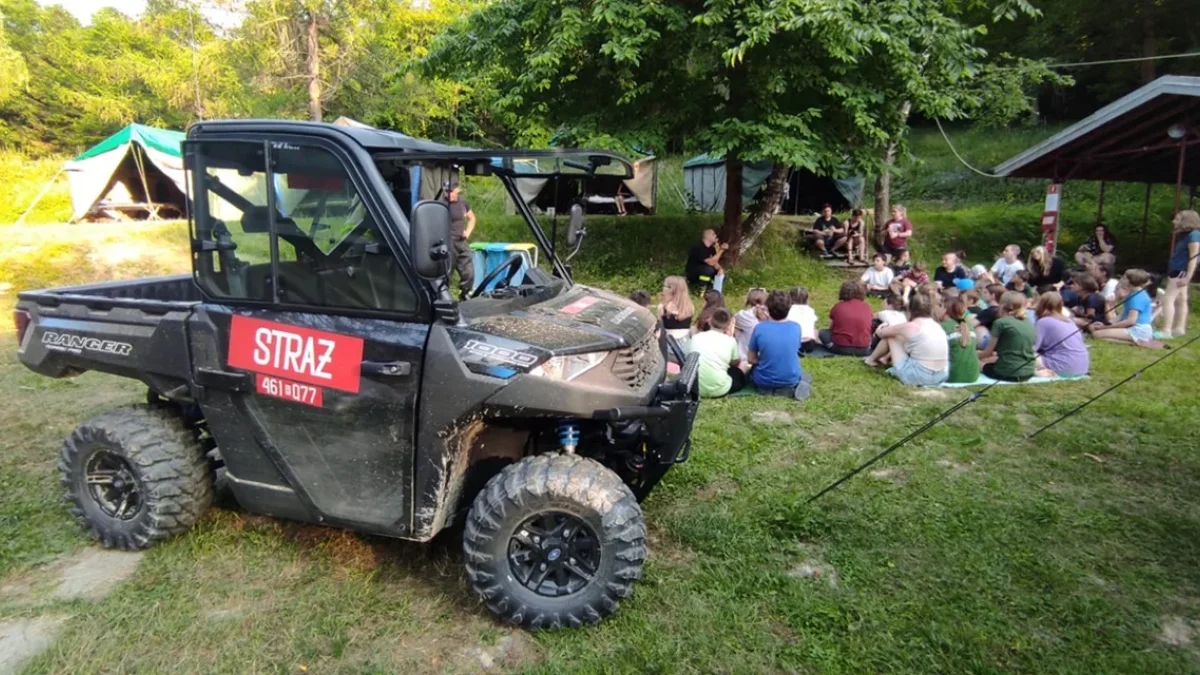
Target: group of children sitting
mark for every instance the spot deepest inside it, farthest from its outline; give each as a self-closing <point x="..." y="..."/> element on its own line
<point x="1011" y="322"/>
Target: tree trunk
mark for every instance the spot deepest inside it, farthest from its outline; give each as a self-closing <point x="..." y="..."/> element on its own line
<point x="314" y="70"/>
<point x="1149" y="44"/>
<point x="756" y="223"/>
<point x="883" y="183"/>
<point x="731" y="227"/>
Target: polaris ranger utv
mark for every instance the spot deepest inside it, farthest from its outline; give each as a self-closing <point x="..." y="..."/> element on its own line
<point x="316" y="363"/>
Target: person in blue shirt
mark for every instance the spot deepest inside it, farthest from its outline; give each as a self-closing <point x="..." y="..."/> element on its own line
<point x="1134" y="325"/>
<point x="1180" y="272"/>
<point x="774" y="352"/>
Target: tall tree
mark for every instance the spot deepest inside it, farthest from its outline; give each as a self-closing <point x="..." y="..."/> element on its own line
<point x="827" y="85"/>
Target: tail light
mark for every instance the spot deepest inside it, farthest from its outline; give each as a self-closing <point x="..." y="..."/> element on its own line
<point x="21" y="320"/>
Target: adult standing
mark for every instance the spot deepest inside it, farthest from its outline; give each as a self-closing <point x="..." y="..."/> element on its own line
<point x="827" y="233"/>
<point x="462" y="224"/>
<point x="704" y="262"/>
<point x="1101" y="247"/>
<point x="897" y="231"/>
<point x="1179" y="274"/>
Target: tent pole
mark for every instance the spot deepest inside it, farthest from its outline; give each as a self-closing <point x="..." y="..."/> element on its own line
<point x="1100" y="207"/>
<point x="1178" y="187"/>
<point x="141" y="165"/>
<point x="38" y="198"/>
<point x="1146" y="214"/>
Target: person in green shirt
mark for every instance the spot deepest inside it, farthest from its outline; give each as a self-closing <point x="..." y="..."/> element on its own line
<point x="964" y="363"/>
<point x="1009" y="355"/>
<point x="720" y="365"/>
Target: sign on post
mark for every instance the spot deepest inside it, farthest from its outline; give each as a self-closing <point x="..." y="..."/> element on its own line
<point x="1050" y="218"/>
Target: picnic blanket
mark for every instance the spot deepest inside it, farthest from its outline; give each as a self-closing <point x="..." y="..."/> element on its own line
<point x="984" y="380"/>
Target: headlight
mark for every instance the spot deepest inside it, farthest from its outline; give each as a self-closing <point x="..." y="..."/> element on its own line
<point x="568" y="368"/>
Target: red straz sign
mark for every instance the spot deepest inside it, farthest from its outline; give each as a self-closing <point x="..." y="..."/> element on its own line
<point x="288" y="390"/>
<point x="296" y="354"/>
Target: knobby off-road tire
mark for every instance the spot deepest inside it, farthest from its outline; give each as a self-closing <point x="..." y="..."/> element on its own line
<point x="587" y="502"/>
<point x="151" y="449"/>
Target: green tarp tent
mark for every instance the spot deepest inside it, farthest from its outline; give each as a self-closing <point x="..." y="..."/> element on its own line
<point x="806" y="192"/>
<point x="136" y="173"/>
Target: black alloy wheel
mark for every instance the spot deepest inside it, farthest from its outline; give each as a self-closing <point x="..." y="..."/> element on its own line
<point x="113" y="485"/>
<point x="554" y="554"/>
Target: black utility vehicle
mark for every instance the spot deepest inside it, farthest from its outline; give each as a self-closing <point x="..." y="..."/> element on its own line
<point x="316" y="363"/>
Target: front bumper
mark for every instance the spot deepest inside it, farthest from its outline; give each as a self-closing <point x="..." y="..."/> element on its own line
<point x="667" y="421"/>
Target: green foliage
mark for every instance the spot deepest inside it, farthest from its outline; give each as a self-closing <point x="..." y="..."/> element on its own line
<point x="22" y="178"/>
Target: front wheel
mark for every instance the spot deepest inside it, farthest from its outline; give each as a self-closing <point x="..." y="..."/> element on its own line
<point x="554" y="541"/>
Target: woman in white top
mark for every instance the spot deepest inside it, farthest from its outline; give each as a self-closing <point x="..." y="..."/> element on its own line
<point x="918" y="349"/>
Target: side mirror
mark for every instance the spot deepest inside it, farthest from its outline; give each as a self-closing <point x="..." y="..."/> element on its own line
<point x="575" y="225"/>
<point x="431" y="239"/>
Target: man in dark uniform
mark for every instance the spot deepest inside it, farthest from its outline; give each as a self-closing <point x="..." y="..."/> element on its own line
<point x="703" y="267"/>
<point x="462" y="224"/>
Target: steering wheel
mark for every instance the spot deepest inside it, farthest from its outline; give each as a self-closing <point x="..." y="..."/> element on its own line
<point x="512" y="265"/>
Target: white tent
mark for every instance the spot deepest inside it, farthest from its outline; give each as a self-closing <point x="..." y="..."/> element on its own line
<point x="135" y="173"/>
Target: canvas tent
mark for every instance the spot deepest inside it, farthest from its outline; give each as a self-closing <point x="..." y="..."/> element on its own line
<point x="135" y="173"/>
<point x="597" y="193"/>
<point x="806" y="192"/>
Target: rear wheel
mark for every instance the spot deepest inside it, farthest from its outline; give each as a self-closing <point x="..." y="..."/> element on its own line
<point x="135" y="476"/>
<point x="554" y="541"/>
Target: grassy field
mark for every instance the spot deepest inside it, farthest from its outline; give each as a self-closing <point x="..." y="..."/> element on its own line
<point x="970" y="550"/>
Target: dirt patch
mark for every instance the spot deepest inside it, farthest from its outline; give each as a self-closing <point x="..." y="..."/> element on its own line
<point x="22" y="639"/>
<point x="89" y="574"/>
<point x="772" y="417"/>
<point x="1177" y="631"/>
<point x="816" y="570"/>
<point x="954" y="468"/>
<point x="667" y="551"/>
<point x="717" y="488"/>
<point x="92" y="573"/>
<point x="509" y="651"/>
<point x="890" y="475"/>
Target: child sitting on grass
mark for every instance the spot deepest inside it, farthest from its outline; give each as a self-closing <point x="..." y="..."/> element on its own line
<point x="1089" y="306"/>
<point x="917" y="349"/>
<point x="721" y="370"/>
<point x="713" y="300"/>
<point x="912" y="278"/>
<point x="1134" y="325"/>
<point x="986" y="317"/>
<point x="1020" y="284"/>
<point x="745" y="320"/>
<point x="676" y="309"/>
<point x="878" y="277"/>
<point x="804" y="316"/>
<point x="959" y="326"/>
<point x="849" y="332"/>
<point x="893" y="311"/>
<point x="1009" y="354"/>
<point x="1059" y="343"/>
<point x="774" y="352"/>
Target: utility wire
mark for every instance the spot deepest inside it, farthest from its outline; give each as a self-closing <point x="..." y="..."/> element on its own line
<point x="1104" y="393"/>
<point x="960" y="157"/>
<point x="1136" y="59"/>
<point x="976" y="396"/>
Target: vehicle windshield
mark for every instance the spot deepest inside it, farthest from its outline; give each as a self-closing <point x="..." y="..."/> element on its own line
<point x="538" y="187"/>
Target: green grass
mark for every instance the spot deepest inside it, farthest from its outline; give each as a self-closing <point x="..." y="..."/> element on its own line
<point x="975" y="552"/>
<point x="972" y="551"/>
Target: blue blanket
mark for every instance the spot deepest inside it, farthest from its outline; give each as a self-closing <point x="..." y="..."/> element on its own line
<point x="984" y="380"/>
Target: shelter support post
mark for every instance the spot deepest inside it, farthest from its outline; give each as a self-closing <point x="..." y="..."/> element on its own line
<point x="1146" y="214"/>
<point x="1100" y="205"/>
